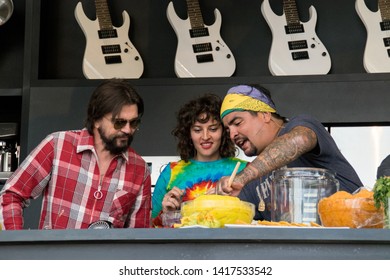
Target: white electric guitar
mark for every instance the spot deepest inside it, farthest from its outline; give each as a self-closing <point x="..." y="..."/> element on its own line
<point x="296" y="48"/>
<point x="109" y="52"/>
<point x="200" y="52"/>
<point x="377" y="51"/>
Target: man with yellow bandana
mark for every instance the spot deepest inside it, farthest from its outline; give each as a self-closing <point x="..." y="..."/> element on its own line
<point x="250" y="115"/>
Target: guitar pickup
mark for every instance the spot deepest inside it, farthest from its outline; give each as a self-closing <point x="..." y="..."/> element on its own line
<point x="385" y="25"/>
<point x="300" y="55"/>
<point x="205" y="47"/>
<point x="199" y="32"/>
<point x="107" y="33"/>
<point x="202" y="58"/>
<point x="113" y="59"/>
<point x="386" y="41"/>
<point x="294" y="28"/>
<point x="108" y="49"/>
<point x="297" y="45"/>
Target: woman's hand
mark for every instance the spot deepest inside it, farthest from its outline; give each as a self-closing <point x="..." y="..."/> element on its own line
<point x="172" y="199"/>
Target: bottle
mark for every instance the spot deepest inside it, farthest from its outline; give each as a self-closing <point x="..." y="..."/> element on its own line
<point x="2" y="152"/>
<point x="6" y="159"/>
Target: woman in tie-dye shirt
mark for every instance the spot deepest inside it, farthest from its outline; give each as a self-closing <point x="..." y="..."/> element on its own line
<point x="206" y="153"/>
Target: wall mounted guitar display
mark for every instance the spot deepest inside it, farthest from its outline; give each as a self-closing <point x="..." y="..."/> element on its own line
<point x="377" y="50"/>
<point x="201" y="52"/>
<point x="296" y="48"/>
<point x="109" y="53"/>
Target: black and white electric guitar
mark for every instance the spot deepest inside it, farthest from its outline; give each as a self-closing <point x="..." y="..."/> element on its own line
<point x="109" y="52"/>
<point x="377" y="50"/>
<point x="200" y="52"/>
<point x="296" y="48"/>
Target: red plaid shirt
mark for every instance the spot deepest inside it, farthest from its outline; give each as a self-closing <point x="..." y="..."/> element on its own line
<point x="64" y="168"/>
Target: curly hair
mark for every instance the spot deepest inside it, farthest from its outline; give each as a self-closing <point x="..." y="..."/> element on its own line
<point x="200" y="110"/>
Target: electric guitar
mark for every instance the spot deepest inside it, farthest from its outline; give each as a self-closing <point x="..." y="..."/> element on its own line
<point x="109" y="52"/>
<point x="296" y="48"/>
<point x="200" y="52"/>
<point x="376" y="57"/>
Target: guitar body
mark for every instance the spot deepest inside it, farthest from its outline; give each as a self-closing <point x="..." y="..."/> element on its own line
<point x="217" y="62"/>
<point x="109" y="57"/>
<point x="376" y="57"/>
<point x="310" y="60"/>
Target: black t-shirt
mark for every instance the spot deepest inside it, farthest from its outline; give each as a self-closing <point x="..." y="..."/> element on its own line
<point x="326" y="155"/>
<point x="384" y="168"/>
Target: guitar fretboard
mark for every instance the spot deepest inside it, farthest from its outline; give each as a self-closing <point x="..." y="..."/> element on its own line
<point x="103" y="14"/>
<point x="195" y="14"/>
<point x="384" y="7"/>
<point x="291" y="12"/>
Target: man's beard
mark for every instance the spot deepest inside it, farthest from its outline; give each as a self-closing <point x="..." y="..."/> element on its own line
<point x="110" y="144"/>
<point x="249" y="152"/>
<point x="252" y="151"/>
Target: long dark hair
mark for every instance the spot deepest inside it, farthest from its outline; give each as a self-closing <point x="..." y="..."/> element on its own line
<point x="208" y="107"/>
<point x="110" y="97"/>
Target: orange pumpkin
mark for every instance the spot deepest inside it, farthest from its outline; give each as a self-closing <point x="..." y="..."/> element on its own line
<point x="343" y="209"/>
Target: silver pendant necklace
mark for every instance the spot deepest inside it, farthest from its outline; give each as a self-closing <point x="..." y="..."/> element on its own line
<point x="98" y="194"/>
<point x="261" y="206"/>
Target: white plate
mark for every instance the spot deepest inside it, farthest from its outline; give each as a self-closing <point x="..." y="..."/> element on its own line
<point x="194" y="226"/>
<point x="264" y="226"/>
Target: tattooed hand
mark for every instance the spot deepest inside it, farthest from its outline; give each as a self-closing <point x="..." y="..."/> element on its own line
<point x="223" y="188"/>
<point x="279" y="153"/>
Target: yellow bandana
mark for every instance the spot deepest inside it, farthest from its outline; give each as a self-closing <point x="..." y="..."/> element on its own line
<point x="236" y="100"/>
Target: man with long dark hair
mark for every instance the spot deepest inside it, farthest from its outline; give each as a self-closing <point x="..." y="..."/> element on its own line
<point x="88" y="177"/>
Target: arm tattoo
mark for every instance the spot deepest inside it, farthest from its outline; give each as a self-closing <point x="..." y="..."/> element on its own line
<point x="281" y="151"/>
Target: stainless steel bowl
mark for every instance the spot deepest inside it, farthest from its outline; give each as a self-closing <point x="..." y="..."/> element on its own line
<point x="6" y="10"/>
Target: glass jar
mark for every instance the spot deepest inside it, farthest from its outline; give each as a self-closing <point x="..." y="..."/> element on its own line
<point x="295" y="193"/>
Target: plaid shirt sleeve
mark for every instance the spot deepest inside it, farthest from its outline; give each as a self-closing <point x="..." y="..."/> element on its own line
<point x="140" y="215"/>
<point x="27" y="182"/>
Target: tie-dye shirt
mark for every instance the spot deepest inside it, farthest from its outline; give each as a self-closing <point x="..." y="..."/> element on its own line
<point x="195" y="177"/>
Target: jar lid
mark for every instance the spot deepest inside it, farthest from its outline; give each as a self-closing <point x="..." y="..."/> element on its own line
<point x="304" y="172"/>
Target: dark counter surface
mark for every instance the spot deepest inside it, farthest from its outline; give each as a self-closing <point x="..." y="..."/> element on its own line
<point x="197" y="243"/>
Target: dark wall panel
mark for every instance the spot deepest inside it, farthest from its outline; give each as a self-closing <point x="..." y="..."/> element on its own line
<point x="334" y="102"/>
<point x="11" y="48"/>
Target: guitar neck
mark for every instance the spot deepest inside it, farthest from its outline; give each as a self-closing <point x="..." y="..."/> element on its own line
<point x="384" y="7"/>
<point x="103" y="14"/>
<point x="195" y="14"/>
<point x="291" y="12"/>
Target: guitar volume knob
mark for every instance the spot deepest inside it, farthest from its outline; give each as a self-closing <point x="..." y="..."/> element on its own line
<point x="136" y="58"/>
<point x="229" y="55"/>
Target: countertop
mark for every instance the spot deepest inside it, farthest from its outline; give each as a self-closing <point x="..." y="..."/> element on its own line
<point x="197" y="243"/>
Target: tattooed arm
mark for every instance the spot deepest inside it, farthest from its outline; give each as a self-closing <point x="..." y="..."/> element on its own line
<point x="281" y="151"/>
